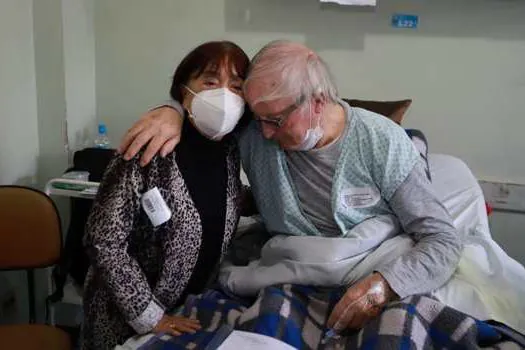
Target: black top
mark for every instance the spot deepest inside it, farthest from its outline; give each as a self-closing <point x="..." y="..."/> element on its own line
<point x="202" y="163"/>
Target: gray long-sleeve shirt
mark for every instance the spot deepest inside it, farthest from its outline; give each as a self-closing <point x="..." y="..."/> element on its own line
<point x="437" y="250"/>
<point x="437" y="246"/>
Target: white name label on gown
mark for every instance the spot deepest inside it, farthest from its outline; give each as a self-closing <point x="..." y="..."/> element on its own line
<point x="360" y="197"/>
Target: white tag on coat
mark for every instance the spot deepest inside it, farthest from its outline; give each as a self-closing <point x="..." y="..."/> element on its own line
<point x="360" y="197"/>
<point x="155" y="207"/>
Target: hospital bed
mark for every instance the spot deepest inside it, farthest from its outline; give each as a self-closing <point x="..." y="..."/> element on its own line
<point x="456" y="187"/>
<point x="460" y="193"/>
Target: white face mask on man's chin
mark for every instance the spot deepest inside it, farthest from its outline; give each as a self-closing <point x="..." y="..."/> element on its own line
<point x="216" y="112"/>
<point x="311" y="137"/>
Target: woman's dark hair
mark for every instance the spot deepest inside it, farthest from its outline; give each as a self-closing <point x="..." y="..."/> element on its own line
<point x="211" y="56"/>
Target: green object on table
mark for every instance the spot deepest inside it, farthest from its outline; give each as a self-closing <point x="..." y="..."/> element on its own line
<point x="67" y="186"/>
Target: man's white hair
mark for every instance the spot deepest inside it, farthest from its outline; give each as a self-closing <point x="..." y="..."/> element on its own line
<point x="292" y="70"/>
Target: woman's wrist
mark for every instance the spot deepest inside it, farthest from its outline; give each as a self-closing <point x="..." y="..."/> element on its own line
<point x="148" y="319"/>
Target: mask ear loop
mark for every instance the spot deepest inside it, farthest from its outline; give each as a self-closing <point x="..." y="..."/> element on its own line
<point x="195" y="95"/>
<point x="190" y="114"/>
<point x="311" y="117"/>
<point x="318" y="119"/>
<point x="203" y="100"/>
<point x="190" y="90"/>
<point x="319" y="122"/>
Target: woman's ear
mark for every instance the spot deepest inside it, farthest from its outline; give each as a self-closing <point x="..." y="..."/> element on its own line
<point x="187" y="97"/>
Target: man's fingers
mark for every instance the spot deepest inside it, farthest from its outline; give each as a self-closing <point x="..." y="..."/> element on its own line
<point x="142" y="139"/>
<point x="358" y="320"/>
<point x="340" y="307"/>
<point x="339" y="315"/>
<point x="364" y="315"/>
<point x="334" y="315"/>
<point x="359" y="305"/>
<point x="130" y="136"/>
<point x="153" y="148"/>
<point x="344" y="320"/>
<point x="169" y="146"/>
<point x="159" y="126"/>
<point x="375" y="310"/>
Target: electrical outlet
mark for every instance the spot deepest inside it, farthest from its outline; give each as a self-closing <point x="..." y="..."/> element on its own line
<point x="504" y="196"/>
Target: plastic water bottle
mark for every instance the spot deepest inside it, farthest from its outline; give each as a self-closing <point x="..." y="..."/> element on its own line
<point x="102" y="140"/>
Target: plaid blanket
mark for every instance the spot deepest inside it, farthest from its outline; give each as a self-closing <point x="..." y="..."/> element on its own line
<point x="297" y="314"/>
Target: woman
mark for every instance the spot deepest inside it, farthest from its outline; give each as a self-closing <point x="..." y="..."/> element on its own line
<point x="156" y="233"/>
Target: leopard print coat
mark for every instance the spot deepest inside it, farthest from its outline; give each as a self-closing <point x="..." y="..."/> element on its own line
<point x="138" y="270"/>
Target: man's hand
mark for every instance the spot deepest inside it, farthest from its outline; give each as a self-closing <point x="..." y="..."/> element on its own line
<point x="161" y="128"/>
<point x="365" y="307"/>
<point x="176" y="325"/>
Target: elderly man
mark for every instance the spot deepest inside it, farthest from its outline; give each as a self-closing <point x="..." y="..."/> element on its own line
<point x="318" y="167"/>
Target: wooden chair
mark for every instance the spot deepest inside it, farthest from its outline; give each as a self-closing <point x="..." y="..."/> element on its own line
<point x="30" y="238"/>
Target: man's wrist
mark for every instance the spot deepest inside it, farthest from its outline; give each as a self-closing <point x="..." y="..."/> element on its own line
<point x="175" y="105"/>
<point x="389" y="292"/>
<point x="171" y="104"/>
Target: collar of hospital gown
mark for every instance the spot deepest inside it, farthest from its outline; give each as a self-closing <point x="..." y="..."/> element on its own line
<point x="376" y="158"/>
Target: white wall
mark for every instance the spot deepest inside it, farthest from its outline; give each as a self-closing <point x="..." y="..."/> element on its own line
<point x="79" y="67"/>
<point x="65" y="70"/>
<point x="18" y="114"/>
<point x="18" y="107"/>
<point x="50" y="80"/>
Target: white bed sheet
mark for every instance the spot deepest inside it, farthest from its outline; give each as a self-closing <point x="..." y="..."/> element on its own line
<point x="458" y="189"/>
<point x="488" y="284"/>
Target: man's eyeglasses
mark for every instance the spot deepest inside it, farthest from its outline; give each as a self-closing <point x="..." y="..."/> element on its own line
<point x="278" y="120"/>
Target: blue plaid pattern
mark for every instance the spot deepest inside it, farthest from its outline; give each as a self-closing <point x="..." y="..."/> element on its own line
<point x="297" y="314"/>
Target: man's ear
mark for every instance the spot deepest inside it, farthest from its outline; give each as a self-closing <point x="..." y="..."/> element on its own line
<point x="319" y="102"/>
